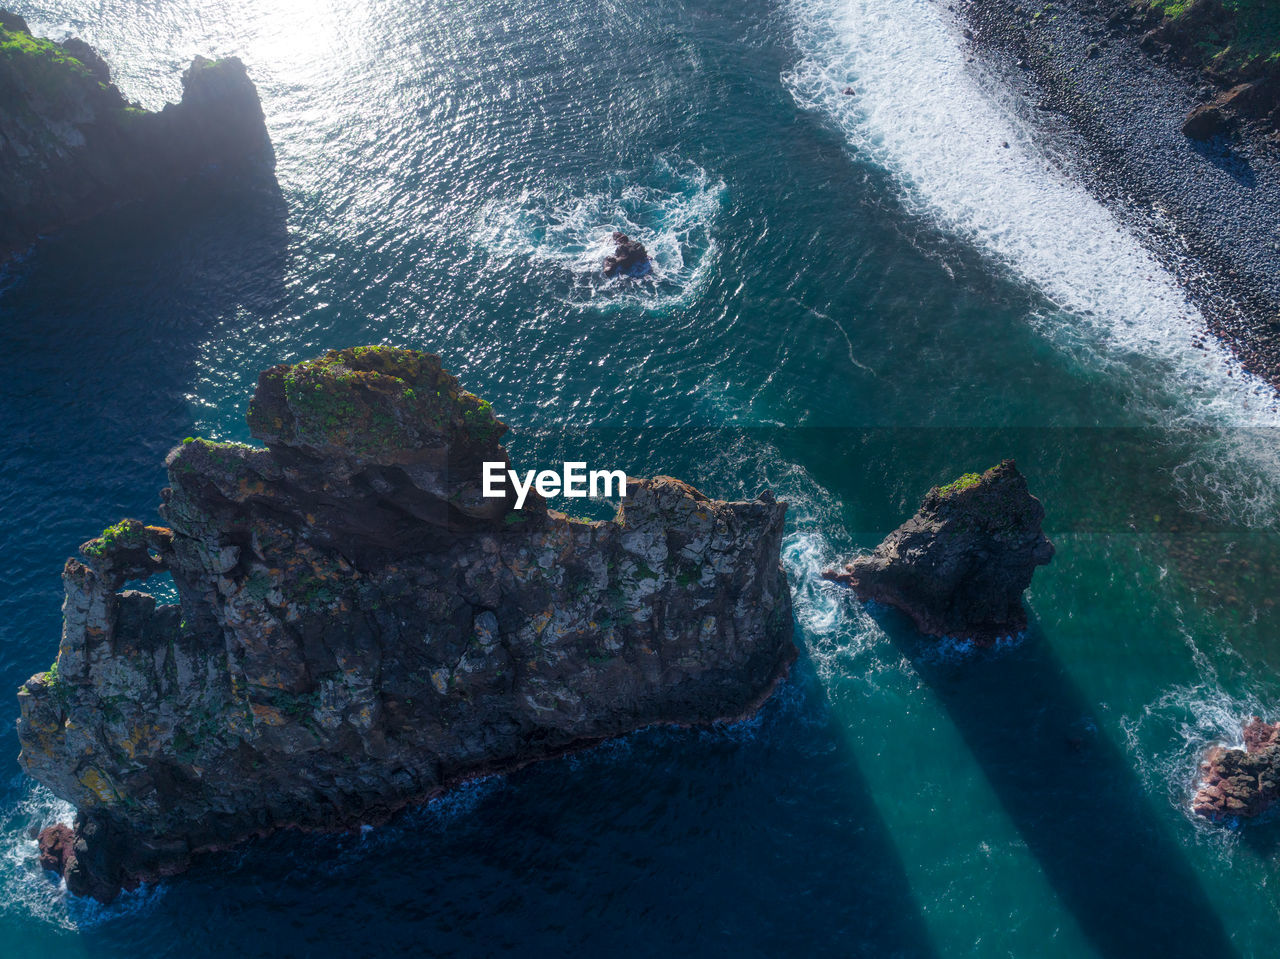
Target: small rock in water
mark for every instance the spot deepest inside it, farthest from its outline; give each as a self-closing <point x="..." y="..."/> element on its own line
<point x="629" y="258"/>
<point x="57" y="846"/>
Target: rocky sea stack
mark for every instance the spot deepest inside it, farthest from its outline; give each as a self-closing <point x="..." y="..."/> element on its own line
<point x="1241" y="783"/>
<point x="71" y="146"/>
<point x="359" y="627"/>
<point x="959" y="567"/>
<point x="629" y="258"/>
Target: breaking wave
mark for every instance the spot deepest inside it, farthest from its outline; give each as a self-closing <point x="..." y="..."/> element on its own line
<point x="963" y="159"/>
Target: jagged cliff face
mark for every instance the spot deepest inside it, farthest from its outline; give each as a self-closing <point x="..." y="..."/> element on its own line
<point x="359" y="627"/>
<point x="959" y="567"/>
<point x="72" y="146"/>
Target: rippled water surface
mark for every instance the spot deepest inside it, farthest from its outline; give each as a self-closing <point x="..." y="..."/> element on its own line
<point x="857" y="296"/>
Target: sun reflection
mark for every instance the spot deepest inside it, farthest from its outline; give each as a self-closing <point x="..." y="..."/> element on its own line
<point x="294" y="39"/>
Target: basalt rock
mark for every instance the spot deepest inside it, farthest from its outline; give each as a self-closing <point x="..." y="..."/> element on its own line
<point x="1206" y="121"/>
<point x="629" y="258"/>
<point x="71" y="146"/>
<point x="959" y="567"/>
<point x="1214" y="37"/>
<point x="1245" y="101"/>
<point x="1241" y="783"/>
<point x="358" y="627"/>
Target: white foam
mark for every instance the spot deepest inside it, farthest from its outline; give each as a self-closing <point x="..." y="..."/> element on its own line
<point x="1186" y="721"/>
<point x="671" y="211"/>
<point x="965" y="160"/>
<point x="30" y="892"/>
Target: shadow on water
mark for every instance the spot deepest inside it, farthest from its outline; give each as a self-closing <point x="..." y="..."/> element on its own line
<point x="760" y="839"/>
<point x="100" y="324"/>
<point x="1072" y="795"/>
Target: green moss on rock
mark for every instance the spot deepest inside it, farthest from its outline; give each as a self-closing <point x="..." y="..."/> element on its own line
<point x="371" y="401"/>
<point x="126" y="534"/>
<point x="967" y="481"/>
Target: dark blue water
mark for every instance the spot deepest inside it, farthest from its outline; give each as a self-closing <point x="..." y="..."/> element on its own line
<point x="858" y="296"/>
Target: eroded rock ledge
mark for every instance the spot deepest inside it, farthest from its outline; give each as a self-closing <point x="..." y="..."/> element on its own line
<point x="959" y="567"/>
<point x="71" y="146"/>
<point x="358" y="628"/>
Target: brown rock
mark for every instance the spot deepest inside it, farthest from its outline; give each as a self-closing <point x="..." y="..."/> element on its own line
<point x="1241" y="783"/>
<point x="1207" y="121"/>
<point x="56" y="850"/>
<point x="629" y="258"/>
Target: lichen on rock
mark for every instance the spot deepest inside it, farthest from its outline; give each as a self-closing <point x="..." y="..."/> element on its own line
<point x="358" y="627"/>
<point x="959" y="567"/>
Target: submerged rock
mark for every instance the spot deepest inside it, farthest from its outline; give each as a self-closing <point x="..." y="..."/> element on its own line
<point x="1241" y="783"/>
<point x="629" y="258"/>
<point x="959" y="567"/>
<point x="360" y="628"/>
<point x="72" y="146"/>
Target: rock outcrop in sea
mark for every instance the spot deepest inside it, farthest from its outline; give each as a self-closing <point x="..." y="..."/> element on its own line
<point x="358" y="627"/>
<point x="959" y="567"/>
<point x="629" y="258"/>
<point x="71" y="146"/>
<point x="1241" y="783"/>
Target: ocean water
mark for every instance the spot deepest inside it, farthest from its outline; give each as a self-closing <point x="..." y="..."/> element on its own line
<point x="858" y="296"/>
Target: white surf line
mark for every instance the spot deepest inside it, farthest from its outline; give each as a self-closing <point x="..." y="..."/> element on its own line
<point x="967" y="162"/>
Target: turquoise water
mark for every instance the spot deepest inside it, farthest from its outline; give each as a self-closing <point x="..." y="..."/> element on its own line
<point x="859" y="296"/>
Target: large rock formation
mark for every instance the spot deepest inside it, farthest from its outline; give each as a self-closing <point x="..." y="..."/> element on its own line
<point x="959" y="567"/>
<point x="359" y="627"/>
<point x="1241" y="783"/>
<point x="72" y="146"/>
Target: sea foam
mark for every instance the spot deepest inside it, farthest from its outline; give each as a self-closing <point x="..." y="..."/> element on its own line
<point x="671" y="209"/>
<point x="30" y="892"/>
<point x="964" y="159"/>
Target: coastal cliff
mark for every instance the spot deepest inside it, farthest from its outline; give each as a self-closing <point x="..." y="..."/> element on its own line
<point x="960" y="565"/>
<point x="1234" y="43"/>
<point x="360" y="628"/>
<point x="71" y="146"/>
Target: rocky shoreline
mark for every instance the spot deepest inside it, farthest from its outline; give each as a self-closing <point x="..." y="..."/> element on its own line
<point x="360" y="627"/>
<point x="1114" y="114"/>
<point x="71" y="146"/>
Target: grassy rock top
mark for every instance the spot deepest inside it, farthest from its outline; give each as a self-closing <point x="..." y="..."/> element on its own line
<point x="46" y="68"/>
<point x="994" y="500"/>
<point x="959" y="566"/>
<point x="373" y="402"/>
